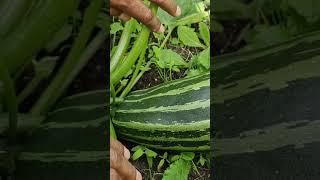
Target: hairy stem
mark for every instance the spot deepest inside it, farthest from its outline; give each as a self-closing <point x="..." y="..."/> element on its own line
<point x="75" y="60"/>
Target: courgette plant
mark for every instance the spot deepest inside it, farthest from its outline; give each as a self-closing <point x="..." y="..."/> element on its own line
<point x="28" y="28"/>
<point x="134" y="52"/>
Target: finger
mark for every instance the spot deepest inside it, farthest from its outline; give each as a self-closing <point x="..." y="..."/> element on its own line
<point x="124" y="17"/>
<point x="116" y="145"/>
<point x="122" y="166"/>
<point x="137" y="10"/>
<point x="168" y="5"/>
<point x="115" y="12"/>
<point x="114" y="175"/>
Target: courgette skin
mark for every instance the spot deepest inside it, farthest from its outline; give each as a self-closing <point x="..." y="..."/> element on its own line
<point x="172" y="116"/>
<point x="72" y="142"/>
<point x="266" y="112"/>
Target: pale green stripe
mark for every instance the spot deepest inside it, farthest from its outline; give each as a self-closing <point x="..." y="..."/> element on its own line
<point x="171" y="139"/>
<point x="196" y="125"/>
<point x="76" y="156"/>
<point x="81" y="107"/>
<point x="241" y="56"/>
<point x="184" y="107"/>
<point x="86" y="94"/>
<point x="78" y="124"/>
<point x="273" y="80"/>
<point x="307" y="51"/>
<point x="147" y="91"/>
<point x="274" y="137"/>
<point x="178" y="91"/>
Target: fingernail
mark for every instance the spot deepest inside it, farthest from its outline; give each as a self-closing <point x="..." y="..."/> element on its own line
<point x="124" y="17"/>
<point x="138" y="175"/>
<point x="178" y="11"/>
<point x="126" y="153"/>
<point x="161" y="29"/>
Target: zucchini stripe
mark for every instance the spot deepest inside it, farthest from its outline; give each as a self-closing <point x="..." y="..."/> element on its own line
<point x="167" y="86"/>
<point x="175" y="92"/>
<point x="201" y="94"/>
<point x="195" y="126"/>
<point x="276" y="136"/>
<point x="166" y="118"/>
<point x="82" y="156"/>
<point x="87" y="98"/>
<point x="159" y="133"/>
<point x="168" y="138"/>
<point x="78" y="114"/>
<point x="185" y="107"/>
<point x="273" y="80"/>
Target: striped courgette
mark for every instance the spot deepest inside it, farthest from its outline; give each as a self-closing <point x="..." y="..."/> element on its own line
<point x="172" y="116"/>
<point x="266" y="112"/>
<point x="71" y="143"/>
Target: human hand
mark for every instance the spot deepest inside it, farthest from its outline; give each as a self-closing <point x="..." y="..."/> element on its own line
<point x="125" y="9"/>
<point x="120" y="167"/>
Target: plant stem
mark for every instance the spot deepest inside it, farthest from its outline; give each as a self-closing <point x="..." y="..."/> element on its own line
<point x="134" y="53"/>
<point x="10" y="99"/>
<point x="113" y="92"/>
<point x="166" y="38"/>
<point x="11" y="12"/>
<point x="75" y="60"/>
<point x="29" y="89"/>
<point x="123" y="44"/>
<point x="135" y="73"/>
<point x="140" y="74"/>
<point x="112" y="131"/>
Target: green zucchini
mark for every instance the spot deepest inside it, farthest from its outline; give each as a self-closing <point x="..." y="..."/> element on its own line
<point x="266" y="112"/>
<point x="171" y="116"/>
<point x="71" y="143"/>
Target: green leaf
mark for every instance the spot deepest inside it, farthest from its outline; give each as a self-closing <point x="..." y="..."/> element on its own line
<point x="194" y="72"/>
<point x="231" y="9"/>
<point x="45" y="66"/>
<point x="307" y="8"/>
<point x="189" y="37"/>
<point x="176" y="69"/>
<point x="168" y="58"/>
<point x="187" y="8"/>
<point x="204" y="58"/>
<point x="136" y="155"/>
<point x="204" y="33"/>
<point x="150" y="153"/>
<point x="179" y="170"/>
<point x="174" y="41"/>
<point x="165" y="155"/>
<point x="188" y="156"/>
<point x="192" y="18"/>
<point x="115" y="27"/>
<point x="63" y="34"/>
<point x="160" y="164"/>
<point x="134" y="149"/>
<point x="174" y="158"/>
<point x="264" y="35"/>
<point x="202" y="160"/>
<point x="150" y="161"/>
